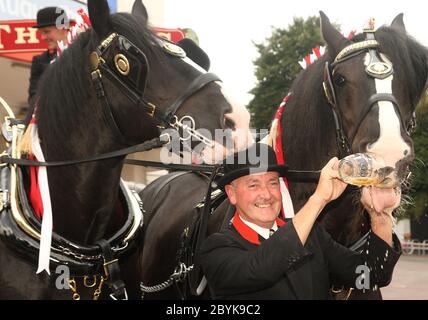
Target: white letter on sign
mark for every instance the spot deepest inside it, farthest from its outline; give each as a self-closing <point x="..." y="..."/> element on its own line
<point x="31" y="34"/>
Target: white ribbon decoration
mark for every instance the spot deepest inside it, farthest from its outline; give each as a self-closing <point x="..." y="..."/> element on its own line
<point x="287" y="204"/>
<point x="46" y="233"/>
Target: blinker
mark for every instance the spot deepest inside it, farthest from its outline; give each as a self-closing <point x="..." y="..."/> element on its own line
<point x="125" y="61"/>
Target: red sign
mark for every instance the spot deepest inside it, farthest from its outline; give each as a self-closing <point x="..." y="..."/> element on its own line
<point x="173" y="35"/>
<point x="19" y="41"/>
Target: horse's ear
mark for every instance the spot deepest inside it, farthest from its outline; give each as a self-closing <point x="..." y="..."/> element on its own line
<point x="99" y="14"/>
<point x="398" y="23"/>
<point x="139" y="9"/>
<point x="334" y="39"/>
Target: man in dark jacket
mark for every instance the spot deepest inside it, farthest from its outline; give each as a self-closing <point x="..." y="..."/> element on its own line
<point x="53" y="25"/>
<point x="260" y="256"/>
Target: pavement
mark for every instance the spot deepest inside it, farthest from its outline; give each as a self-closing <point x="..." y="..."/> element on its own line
<point x="409" y="280"/>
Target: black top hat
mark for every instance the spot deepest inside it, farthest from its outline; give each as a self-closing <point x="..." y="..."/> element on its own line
<point x="258" y="158"/>
<point x="52" y="16"/>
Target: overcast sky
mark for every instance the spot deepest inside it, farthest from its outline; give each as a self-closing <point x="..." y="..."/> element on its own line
<point x="227" y="28"/>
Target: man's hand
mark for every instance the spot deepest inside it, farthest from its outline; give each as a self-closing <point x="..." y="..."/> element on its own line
<point x="381" y="224"/>
<point x="330" y="187"/>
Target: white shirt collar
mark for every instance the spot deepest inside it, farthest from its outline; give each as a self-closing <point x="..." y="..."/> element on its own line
<point x="264" y="232"/>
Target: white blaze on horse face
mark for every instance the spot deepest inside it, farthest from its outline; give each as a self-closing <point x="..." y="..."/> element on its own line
<point x="390" y="146"/>
<point x="241" y="135"/>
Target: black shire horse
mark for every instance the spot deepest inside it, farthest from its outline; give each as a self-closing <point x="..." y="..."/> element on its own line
<point x="109" y="90"/>
<point x="372" y="85"/>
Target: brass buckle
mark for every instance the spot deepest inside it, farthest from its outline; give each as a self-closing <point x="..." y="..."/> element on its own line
<point x="151" y="113"/>
<point x="106" y="264"/>
<point x="96" y="74"/>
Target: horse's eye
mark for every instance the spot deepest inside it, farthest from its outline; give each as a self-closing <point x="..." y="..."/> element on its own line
<point x="339" y="80"/>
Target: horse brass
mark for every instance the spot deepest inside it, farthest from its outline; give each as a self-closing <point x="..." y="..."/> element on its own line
<point x="122" y="64"/>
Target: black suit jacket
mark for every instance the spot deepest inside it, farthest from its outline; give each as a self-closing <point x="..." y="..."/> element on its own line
<point x="38" y="66"/>
<point x="282" y="268"/>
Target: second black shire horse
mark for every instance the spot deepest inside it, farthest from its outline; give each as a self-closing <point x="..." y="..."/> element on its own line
<point x="358" y="97"/>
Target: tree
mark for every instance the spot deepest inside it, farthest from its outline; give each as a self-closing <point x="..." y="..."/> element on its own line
<point x="419" y="190"/>
<point x="277" y="66"/>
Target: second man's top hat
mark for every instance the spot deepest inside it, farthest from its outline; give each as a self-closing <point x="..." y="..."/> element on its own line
<point x="52" y="16"/>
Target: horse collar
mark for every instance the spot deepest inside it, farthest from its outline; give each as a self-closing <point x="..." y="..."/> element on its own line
<point x="21" y="230"/>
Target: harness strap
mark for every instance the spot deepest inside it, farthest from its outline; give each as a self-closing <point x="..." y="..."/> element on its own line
<point x="196" y="85"/>
<point x="360" y="242"/>
<point x="375" y="98"/>
<point x="145" y="146"/>
<point x="196" y="274"/>
<point x="105" y="106"/>
<point x="170" y="166"/>
<point x="230" y="212"/>
<point x="112" y="271"/>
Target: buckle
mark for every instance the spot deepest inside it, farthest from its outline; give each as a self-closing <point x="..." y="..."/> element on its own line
<point x="106" y="266"/>
<point x="96" y="74"/>
<point x="124" y="293"/>
<point x="6" y="129"/>
<point x="165" y="138"/>
<point x="151" y="112"/>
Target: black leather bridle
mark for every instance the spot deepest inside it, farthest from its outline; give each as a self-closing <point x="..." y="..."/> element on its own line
<point x="124" y="63"/>
<point x="378" y="68"/>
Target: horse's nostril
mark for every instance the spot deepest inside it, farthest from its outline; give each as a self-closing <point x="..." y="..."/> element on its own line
<point x="385" y="171"/>
<point x="406" y="152"/>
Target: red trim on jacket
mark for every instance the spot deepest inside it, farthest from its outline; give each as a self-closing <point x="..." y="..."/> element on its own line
<point x="246" y="232"/>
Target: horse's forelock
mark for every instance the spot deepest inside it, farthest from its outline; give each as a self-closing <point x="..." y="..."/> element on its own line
<point x="63" y="88"/>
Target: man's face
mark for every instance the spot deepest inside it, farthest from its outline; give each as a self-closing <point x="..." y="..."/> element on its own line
<point x="51" y="35"/>
<point x="257" y="197"/>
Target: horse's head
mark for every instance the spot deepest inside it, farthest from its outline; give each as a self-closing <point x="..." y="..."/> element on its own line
<point x="156" y="82"/>
<point x="373" y="83"/>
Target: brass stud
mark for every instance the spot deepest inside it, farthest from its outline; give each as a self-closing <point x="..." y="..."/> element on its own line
<point x="379" y="68"/>
<point x="94" y="60"/>
<point x="174" y="50"/>
<point x="122" y="64"/>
